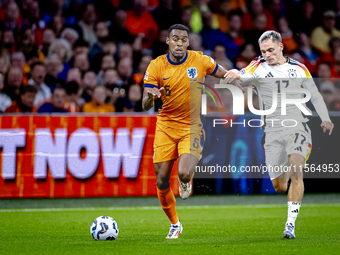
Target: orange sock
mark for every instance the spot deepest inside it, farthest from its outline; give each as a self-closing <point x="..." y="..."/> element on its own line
<point x="168" y="202"/>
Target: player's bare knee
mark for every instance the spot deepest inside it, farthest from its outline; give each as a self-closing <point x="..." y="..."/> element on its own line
<point x="184" y="175"/>
<point x="163" y="181"/>
<point x="280" y="188"/>
<point x="163" y="184"/>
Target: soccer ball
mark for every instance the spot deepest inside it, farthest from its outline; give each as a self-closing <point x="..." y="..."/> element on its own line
<point x="104" y="228"/>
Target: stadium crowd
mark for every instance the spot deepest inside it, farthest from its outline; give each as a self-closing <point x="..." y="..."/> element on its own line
<point x="91" y="56"/>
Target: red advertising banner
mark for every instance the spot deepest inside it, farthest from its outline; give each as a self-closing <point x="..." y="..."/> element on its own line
<point x="78" y="156"/>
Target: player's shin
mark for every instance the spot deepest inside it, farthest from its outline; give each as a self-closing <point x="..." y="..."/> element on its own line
<point x="168" y="202"/>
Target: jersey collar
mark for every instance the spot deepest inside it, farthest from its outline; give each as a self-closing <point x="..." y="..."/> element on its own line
<point x="177" y="63"/>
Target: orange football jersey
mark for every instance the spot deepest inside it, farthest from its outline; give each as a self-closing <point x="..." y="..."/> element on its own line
<point x="181" y="96"/>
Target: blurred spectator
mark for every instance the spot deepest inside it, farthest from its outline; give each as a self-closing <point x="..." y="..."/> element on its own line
<point x="27" y="39"/>
<point x="102" y="30"/>
<point x="13" y="17"/>
<point x="335" y="71"/>
<point x="57" y="24"/>
<point x="53" y="67"/>
<point x="38" y="73"/>
<point x="81" y="62"/>
<point x="31" y="57"/>
<point x="310" y="55"/>
<point x="324" y="72"/>
<point x="24" y="103"/>
<point x="109" y="46"/>
<point x="33" y="20"/>
<point x="18" y="60"/>
<point x="11" y="90"/>
<point x="119" y="32"/>
<point x="247" y="54"/>
<point x="259" y="28"/>
<point x="87" y="22"/>
<point x="305" y="22"/>
<point x="131" y="103"/>
<point x="256" y="9"/>
<point x="62" y="48"/>
<point x="125" y="70"/>
<point x="235" y="24"/>
<point x="72" y="98"/>
<point x="196" y="24"/>
<point x="55" y="7"/>
<point x="107" y="62"/>
<point x="125" y="51"/>
<point x="69" y="34"/>
<point x="113" y="85"/>
<point x="73" y="75"/>
<point x="139" y="21"/>
<point x="98" y="104"/>
<point x="5" y="100"/>
<point x="277" y="8"/>
<point x="186" y="15"/>
<point x="334" y="44"/>
<point x="57" y="102"/>
<point x="167" y="9"/>
<point x="88" y="84"/>
<point x="287" y="35"/>
<point x="195" y="42"/>
<point x="221" y="14"/>
<point x="47" y="39"/>
<point x="212" y="37"/>
<point x="9" y="43"/>
<point x="160" y="46"/>
<point x="141" y="69"/>
<point x="322" y="34"/>
<point x="103" y="34"/>
<point x="144" y="63"/>
<point x="4" y="65"/>
<point x="80" y="46"/>
<point x="219" y="54"/>
<point x="327" y="90"/>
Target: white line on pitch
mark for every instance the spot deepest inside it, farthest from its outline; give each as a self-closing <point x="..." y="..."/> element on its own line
<point x="146" y="208"/>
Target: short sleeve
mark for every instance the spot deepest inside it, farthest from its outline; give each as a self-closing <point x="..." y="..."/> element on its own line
<point x="209" y="64"/>
<point x="150" y="77"/>
<point x="248" y="73"/>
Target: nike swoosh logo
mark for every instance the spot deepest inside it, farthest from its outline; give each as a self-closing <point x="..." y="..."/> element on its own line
<point x="164" y="79"/>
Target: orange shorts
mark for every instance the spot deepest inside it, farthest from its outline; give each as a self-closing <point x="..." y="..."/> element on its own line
<point x="170" y="143"/>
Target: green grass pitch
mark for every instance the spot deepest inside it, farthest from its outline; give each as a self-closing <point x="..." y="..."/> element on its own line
<point x="208" y="229"/>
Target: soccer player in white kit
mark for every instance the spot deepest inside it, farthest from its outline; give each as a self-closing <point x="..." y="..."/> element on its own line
<point x="284" y="146"/>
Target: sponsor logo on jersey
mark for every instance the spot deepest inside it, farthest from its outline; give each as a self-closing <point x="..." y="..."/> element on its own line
<point x="146" y="77"/>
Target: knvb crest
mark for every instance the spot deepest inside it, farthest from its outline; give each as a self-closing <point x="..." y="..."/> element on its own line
<point x="192" y="72"/>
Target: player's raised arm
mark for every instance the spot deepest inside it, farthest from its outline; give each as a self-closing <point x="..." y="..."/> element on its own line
<point x="149" y="95"/>
<point x="319" y="105"/>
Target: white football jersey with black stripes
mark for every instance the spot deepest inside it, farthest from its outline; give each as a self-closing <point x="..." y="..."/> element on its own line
<point x="273" y="81"/>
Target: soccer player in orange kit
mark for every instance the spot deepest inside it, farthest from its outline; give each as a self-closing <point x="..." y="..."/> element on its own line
<point x="179" y="132"/>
